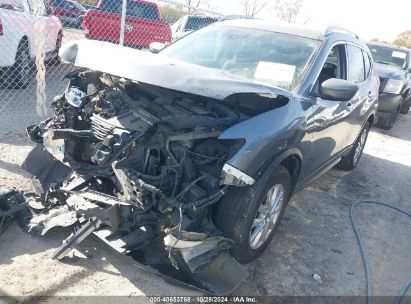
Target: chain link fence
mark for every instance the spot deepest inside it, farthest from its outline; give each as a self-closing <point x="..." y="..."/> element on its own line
<point x="32" y="32"/>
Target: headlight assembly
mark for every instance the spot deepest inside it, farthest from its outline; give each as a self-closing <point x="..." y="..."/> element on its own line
<point x="234" y="177"/>
<point x="394" y="86"/>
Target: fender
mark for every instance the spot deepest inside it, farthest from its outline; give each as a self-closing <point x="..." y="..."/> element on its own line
<point x="278" y="159"/>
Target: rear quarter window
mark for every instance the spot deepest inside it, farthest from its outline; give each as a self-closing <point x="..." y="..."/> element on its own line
<point x="367" y="63"/>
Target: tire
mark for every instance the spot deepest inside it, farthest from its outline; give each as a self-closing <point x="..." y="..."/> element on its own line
<point x="239" y="211"/>
<point x="56" y="58"/>
<point x="19" y="75"/>
<point x="387" y="123"/>
<point x="350" y="161"/>
<point x="405" y="108"/>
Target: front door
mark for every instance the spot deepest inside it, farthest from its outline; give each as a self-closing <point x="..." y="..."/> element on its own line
<point x="329" y="124"/>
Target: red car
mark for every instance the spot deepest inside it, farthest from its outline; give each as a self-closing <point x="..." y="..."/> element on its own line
<point x="143" y="23"/>
<point x="70" y="13"/>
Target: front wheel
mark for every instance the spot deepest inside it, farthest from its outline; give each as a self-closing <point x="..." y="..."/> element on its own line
<point x="350" y="161"/>
<point x="251" y="215"/>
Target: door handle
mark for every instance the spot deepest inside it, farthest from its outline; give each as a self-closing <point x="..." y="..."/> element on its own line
<point x="371" y="95"/>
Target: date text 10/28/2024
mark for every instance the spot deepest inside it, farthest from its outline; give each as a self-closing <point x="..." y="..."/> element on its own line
<point x="203" y="299"/>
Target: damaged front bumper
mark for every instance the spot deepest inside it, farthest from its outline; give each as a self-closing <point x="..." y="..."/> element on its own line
<point x="197" y="259"/>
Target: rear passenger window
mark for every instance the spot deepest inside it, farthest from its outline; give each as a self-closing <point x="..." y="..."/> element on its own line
<point x="367" y="64"/>
<point x="356" y="72"/>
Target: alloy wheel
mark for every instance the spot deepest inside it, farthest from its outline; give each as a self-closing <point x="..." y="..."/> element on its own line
<point x="360" y="145"/>
<point x="267" y="216"/>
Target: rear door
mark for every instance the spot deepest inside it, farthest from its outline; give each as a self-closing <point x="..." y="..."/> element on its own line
<point x="359" y="72"/>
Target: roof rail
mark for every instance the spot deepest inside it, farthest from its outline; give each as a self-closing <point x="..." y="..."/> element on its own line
<point x="336" y="29"/>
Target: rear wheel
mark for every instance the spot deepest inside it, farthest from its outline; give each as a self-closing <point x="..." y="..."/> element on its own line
<point x="251" y="215"/>
<point x="19" y="75"/>
<point x="350" y="161"/>
<point x="405" y="108"/>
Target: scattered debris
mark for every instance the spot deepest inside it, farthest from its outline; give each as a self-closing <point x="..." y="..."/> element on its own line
<point x="317" y="277"/>
<point x="11" y="203"/>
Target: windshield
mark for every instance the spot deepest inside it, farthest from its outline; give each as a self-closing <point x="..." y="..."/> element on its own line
<point x="389" y="56"/>
<point x="196" y="23"/>
<point x="271" y="58"/>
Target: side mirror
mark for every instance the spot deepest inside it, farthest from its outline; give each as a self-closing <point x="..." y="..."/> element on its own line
<point x="338" y="89"/>
<point x="156" y="47"/>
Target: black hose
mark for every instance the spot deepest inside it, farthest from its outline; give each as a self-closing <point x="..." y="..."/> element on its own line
<point x="362" y="247"/>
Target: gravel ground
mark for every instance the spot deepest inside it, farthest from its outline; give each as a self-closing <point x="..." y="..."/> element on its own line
<point x="315" y="236"/>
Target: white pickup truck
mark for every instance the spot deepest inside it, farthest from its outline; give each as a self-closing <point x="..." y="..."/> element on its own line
<point x="26" y="30"/>
<point x="190" y="23"/>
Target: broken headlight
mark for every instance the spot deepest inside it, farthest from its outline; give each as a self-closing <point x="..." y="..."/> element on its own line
<point x="234" y="177"/>
<point x="230" y="175"/>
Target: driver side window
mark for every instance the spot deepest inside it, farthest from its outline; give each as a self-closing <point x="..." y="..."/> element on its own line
<point x="335" y="66"/>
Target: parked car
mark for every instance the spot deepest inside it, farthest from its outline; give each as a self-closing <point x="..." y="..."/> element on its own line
<point x="19" y="39"/>
<point x="71" y="13"/>
<point x="236" y="17"/>
<point x="393" y="66"/>
<point x="200" y="148"/>
<point x="143" y="23"/>
<point x="190" y="23"/>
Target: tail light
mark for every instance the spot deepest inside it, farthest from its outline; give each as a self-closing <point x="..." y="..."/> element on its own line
<point x="1" y="28"/>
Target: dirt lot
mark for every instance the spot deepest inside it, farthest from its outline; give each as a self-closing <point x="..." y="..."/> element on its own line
<point x="315" y="236"/>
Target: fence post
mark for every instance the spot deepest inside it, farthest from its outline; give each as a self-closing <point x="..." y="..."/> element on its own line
<point x="123" y="21"/>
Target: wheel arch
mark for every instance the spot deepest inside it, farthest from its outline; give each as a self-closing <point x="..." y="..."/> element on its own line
<point x="292" y="160"/>
<point x="406" y="94"/>
<point x="371" y="119"/>
<point x="25" y="39"/>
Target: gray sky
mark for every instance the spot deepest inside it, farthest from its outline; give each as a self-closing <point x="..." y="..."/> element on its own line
<point x="368" y="18"/>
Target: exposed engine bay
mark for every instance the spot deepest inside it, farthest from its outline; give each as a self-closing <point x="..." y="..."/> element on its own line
<point x="140" y="167"/>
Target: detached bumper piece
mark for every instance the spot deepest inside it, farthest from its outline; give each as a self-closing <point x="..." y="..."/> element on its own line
<point x="12" y="203"/>
<point x="64" y="198"/>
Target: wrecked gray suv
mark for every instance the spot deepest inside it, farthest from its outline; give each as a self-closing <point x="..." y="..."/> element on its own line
<point x="184" y="161"/>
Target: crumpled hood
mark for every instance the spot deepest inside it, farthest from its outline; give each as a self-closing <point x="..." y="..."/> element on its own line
<point x="388" y="72"/>
<point x="146" y="67"/>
